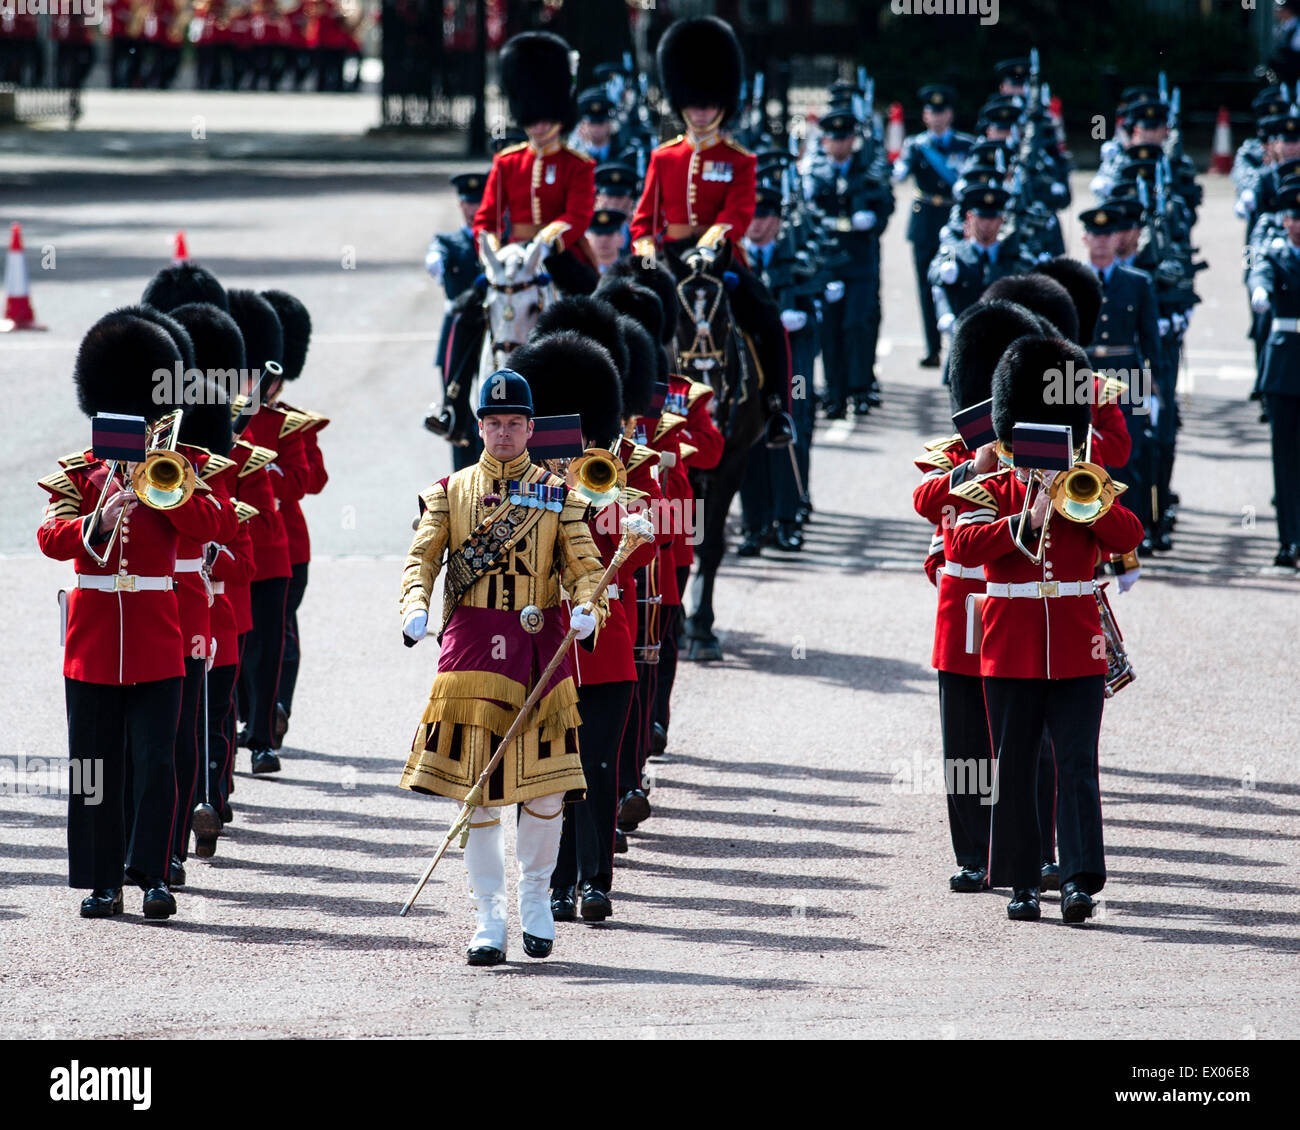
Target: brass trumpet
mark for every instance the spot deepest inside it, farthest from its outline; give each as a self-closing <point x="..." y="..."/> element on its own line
<point x="597" y="475"/>
<point x="1082" y="494"/>
<point x="163" y="480"/>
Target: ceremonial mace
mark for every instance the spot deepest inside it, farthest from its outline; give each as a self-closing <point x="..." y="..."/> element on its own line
<point x="637" y="531"/>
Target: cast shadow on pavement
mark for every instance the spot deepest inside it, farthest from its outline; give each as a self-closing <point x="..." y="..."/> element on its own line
<point x="768" y="820"/>
<point x="736" y="908"/>
<point x="296" y="936"/>
<point x="769" y="769"/>
<point x="339" y="906"/>
<point x="1230" y="885"/>
<point x="1205" y="781"/>
<point x="1216" y="831"/>
<point x="624" y="976"/>
<point x="1195" y="937"/>
<point x="740" y="878"/>
<point x="797" y="941"/>
<point x="710" y="847"/>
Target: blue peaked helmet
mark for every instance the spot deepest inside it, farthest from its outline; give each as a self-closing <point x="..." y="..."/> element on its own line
<point x="505" y="391"/>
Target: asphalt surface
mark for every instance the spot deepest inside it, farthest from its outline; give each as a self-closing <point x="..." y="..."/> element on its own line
<point x="793" y="878"/>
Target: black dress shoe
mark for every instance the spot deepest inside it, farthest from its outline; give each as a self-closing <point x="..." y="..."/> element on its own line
<point x="205" y="847"/>
<point x="789" y="537"/>
<point x="632" y="809"/>
<point x="158" y="901"/>
<point x="206" y="821"/>
<point x="969" y="880"/>
<point x="861" y="406"/>
<point x="242" y="738"/>
<point x="1286" y="557"/>
<point x="751" y="547"/>
<point x="836" y="410"/>
<point x="1051" y="876"/>
<point x="484" y="955"/>
<point x="658" y="740"/>
<point x="873" y="397"/>
<point x="280" y="727"/>
<point x="620" y="842"/>
<point x="537" y="947"/>
<point x="1023" y="906"/>
<point x="264" y="761"/>
<point x="931" y="361"/>
<point x="564" y="907"/>
<point x="227" y="813"/>
<point x="1076" y="904"/>
<point x="596" y="906"/>
<point x="176" y="872"/>
<point x="102" y="902"/>
<point x="1145" y="548"/>
<point x="1161" y="542"/>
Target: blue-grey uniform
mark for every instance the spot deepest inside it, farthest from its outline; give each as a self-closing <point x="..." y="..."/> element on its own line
<point x="1274" y="284"/>
<point x="771" y="496"/>
<point x="1126" y="344"/>
<point x="962" y="272"/>
<point x="452" y="260"/>
<point x="934" y="163"/>
<point x="856" y="199"/>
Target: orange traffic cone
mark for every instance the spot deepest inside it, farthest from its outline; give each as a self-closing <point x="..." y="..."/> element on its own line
<point x="182" y="253"/>
<point x="18" y="305"/>
<point x="894" y="133"/>
<point x="1221" y="161"/>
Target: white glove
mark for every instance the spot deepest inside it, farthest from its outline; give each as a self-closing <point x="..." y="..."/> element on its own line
<point x="1180" y="322"/>
<point x="948" y="272"/>
<point x="864" y="221"/>
<point x="1153" y="408"/>
<point x="582" y="621"/>
<point x="433" y="263"/>
<point x="1129" y="579"/>
<point x="1162" y="324"/>
<point x="946" y="319"/>
<point x="1058" y="189"/>
<point x="416" y="625"/>
<point x="1245" y="203"/>
<point x="1258" y="302"/>
<point x="793" y="320"/>
<point x="834" y="291"/>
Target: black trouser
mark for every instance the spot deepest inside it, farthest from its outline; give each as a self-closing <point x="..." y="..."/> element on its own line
<point x="850" y="330"/>
<point x="292" y="651"/>
<point x="259" y="671"/>
<point x="1071" y="709"/>
<point x="1046" y="799"/>
<point x="668" y="653"/>
<point x="221" y="732"/>
<point x="1284" y="423"/>
<point x="630" y="756"/>
<point x="189" y="753"/>
<point x="587" y="840"/>
<point x="120" y="729"/>
<point x="966" y="754"/>
<point x="922" y="255"/>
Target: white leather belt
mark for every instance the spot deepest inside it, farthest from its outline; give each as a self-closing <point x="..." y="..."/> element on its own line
<point x="970" y="572"/>
<point x="189" y="565"/>
<point x="1286" y="325"/>
<point x="218" y="587"/>
<point x="1040" y="589"/>
<point x="612" y="591"/>
<point x="124" y="582"/>
<point x="1111" y="350"/>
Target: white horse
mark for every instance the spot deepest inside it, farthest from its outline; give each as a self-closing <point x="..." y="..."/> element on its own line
<point x="517" y="292"/>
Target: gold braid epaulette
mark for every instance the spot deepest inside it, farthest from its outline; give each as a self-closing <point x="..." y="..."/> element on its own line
<point x="640" y="453"/>
<point x="243" y="511"/>
<point x="947" y="443"/>
<point x="65" y="502"/>
<point x="75" y="461"/>
<point x="294" y="421"/>
<point x="260" y="457"/>
<point x="698" y="390"/>
<point x="974" y="492"/>
<point x="936" y="459"/>
<point x="216" y="464"/>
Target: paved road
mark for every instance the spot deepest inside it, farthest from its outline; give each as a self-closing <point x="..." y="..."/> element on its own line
<point x="792" y="881"/>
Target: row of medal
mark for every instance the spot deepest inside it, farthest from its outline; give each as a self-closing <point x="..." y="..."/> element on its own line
<point x="675" y="402"/>
<point x="536" y="496"/>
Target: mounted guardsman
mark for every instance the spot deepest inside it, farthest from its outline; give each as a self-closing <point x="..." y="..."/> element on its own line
<point x="514" y="535"/>
<point x="541" y="187"/>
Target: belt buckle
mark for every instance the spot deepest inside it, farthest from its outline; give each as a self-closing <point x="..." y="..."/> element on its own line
<point x="124" y="583"/>
<point x="1048" y="588"/>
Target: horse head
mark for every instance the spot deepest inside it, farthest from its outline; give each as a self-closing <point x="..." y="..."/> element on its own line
<point x="517" y="291"/>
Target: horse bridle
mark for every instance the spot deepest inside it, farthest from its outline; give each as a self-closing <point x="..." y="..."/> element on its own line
<point x="508" y="314"/>
<point x="703" y="347"/>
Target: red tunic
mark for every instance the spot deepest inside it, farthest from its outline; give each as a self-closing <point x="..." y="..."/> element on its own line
<point x="699" y="187"/>
<point x="295" y="524"/>
<point x="123" y="637"/>
<point x="1038" y="637"/>
<point x="289" y="477"/>
<point x="700" y="447"/>
<point x="933" y="502"/>
<point x="1111" y="442"/>
<point x="610" y="661"/>
<point x="525" y="187"/>
<point x="233" y="563"/>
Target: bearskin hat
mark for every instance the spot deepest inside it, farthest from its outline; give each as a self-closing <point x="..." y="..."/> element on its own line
<point x="639" y="303"/>
<point x="571" y="373"/>
<point x="655" y="278"/>
<point x="1082" y="285"/>
<point x="296" y="323"/>
<point x="700" y="64"/>
<point x="260" y="325"/>
<point x="646" y="364"/>
<point x="218" y="349"/>
<point x="181" y="283"/>
<point x="536" y="78"/>
<point x="168" y="323"/>
<point x="1043" y="296"/>
<point x="117" y="362"/>
<point x="1032" y="385"/>
<point x="979" y="338"/>
<point x="591" y="317"/>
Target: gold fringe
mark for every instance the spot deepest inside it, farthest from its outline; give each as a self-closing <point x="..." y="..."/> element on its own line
<point x="556" y="713"/>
